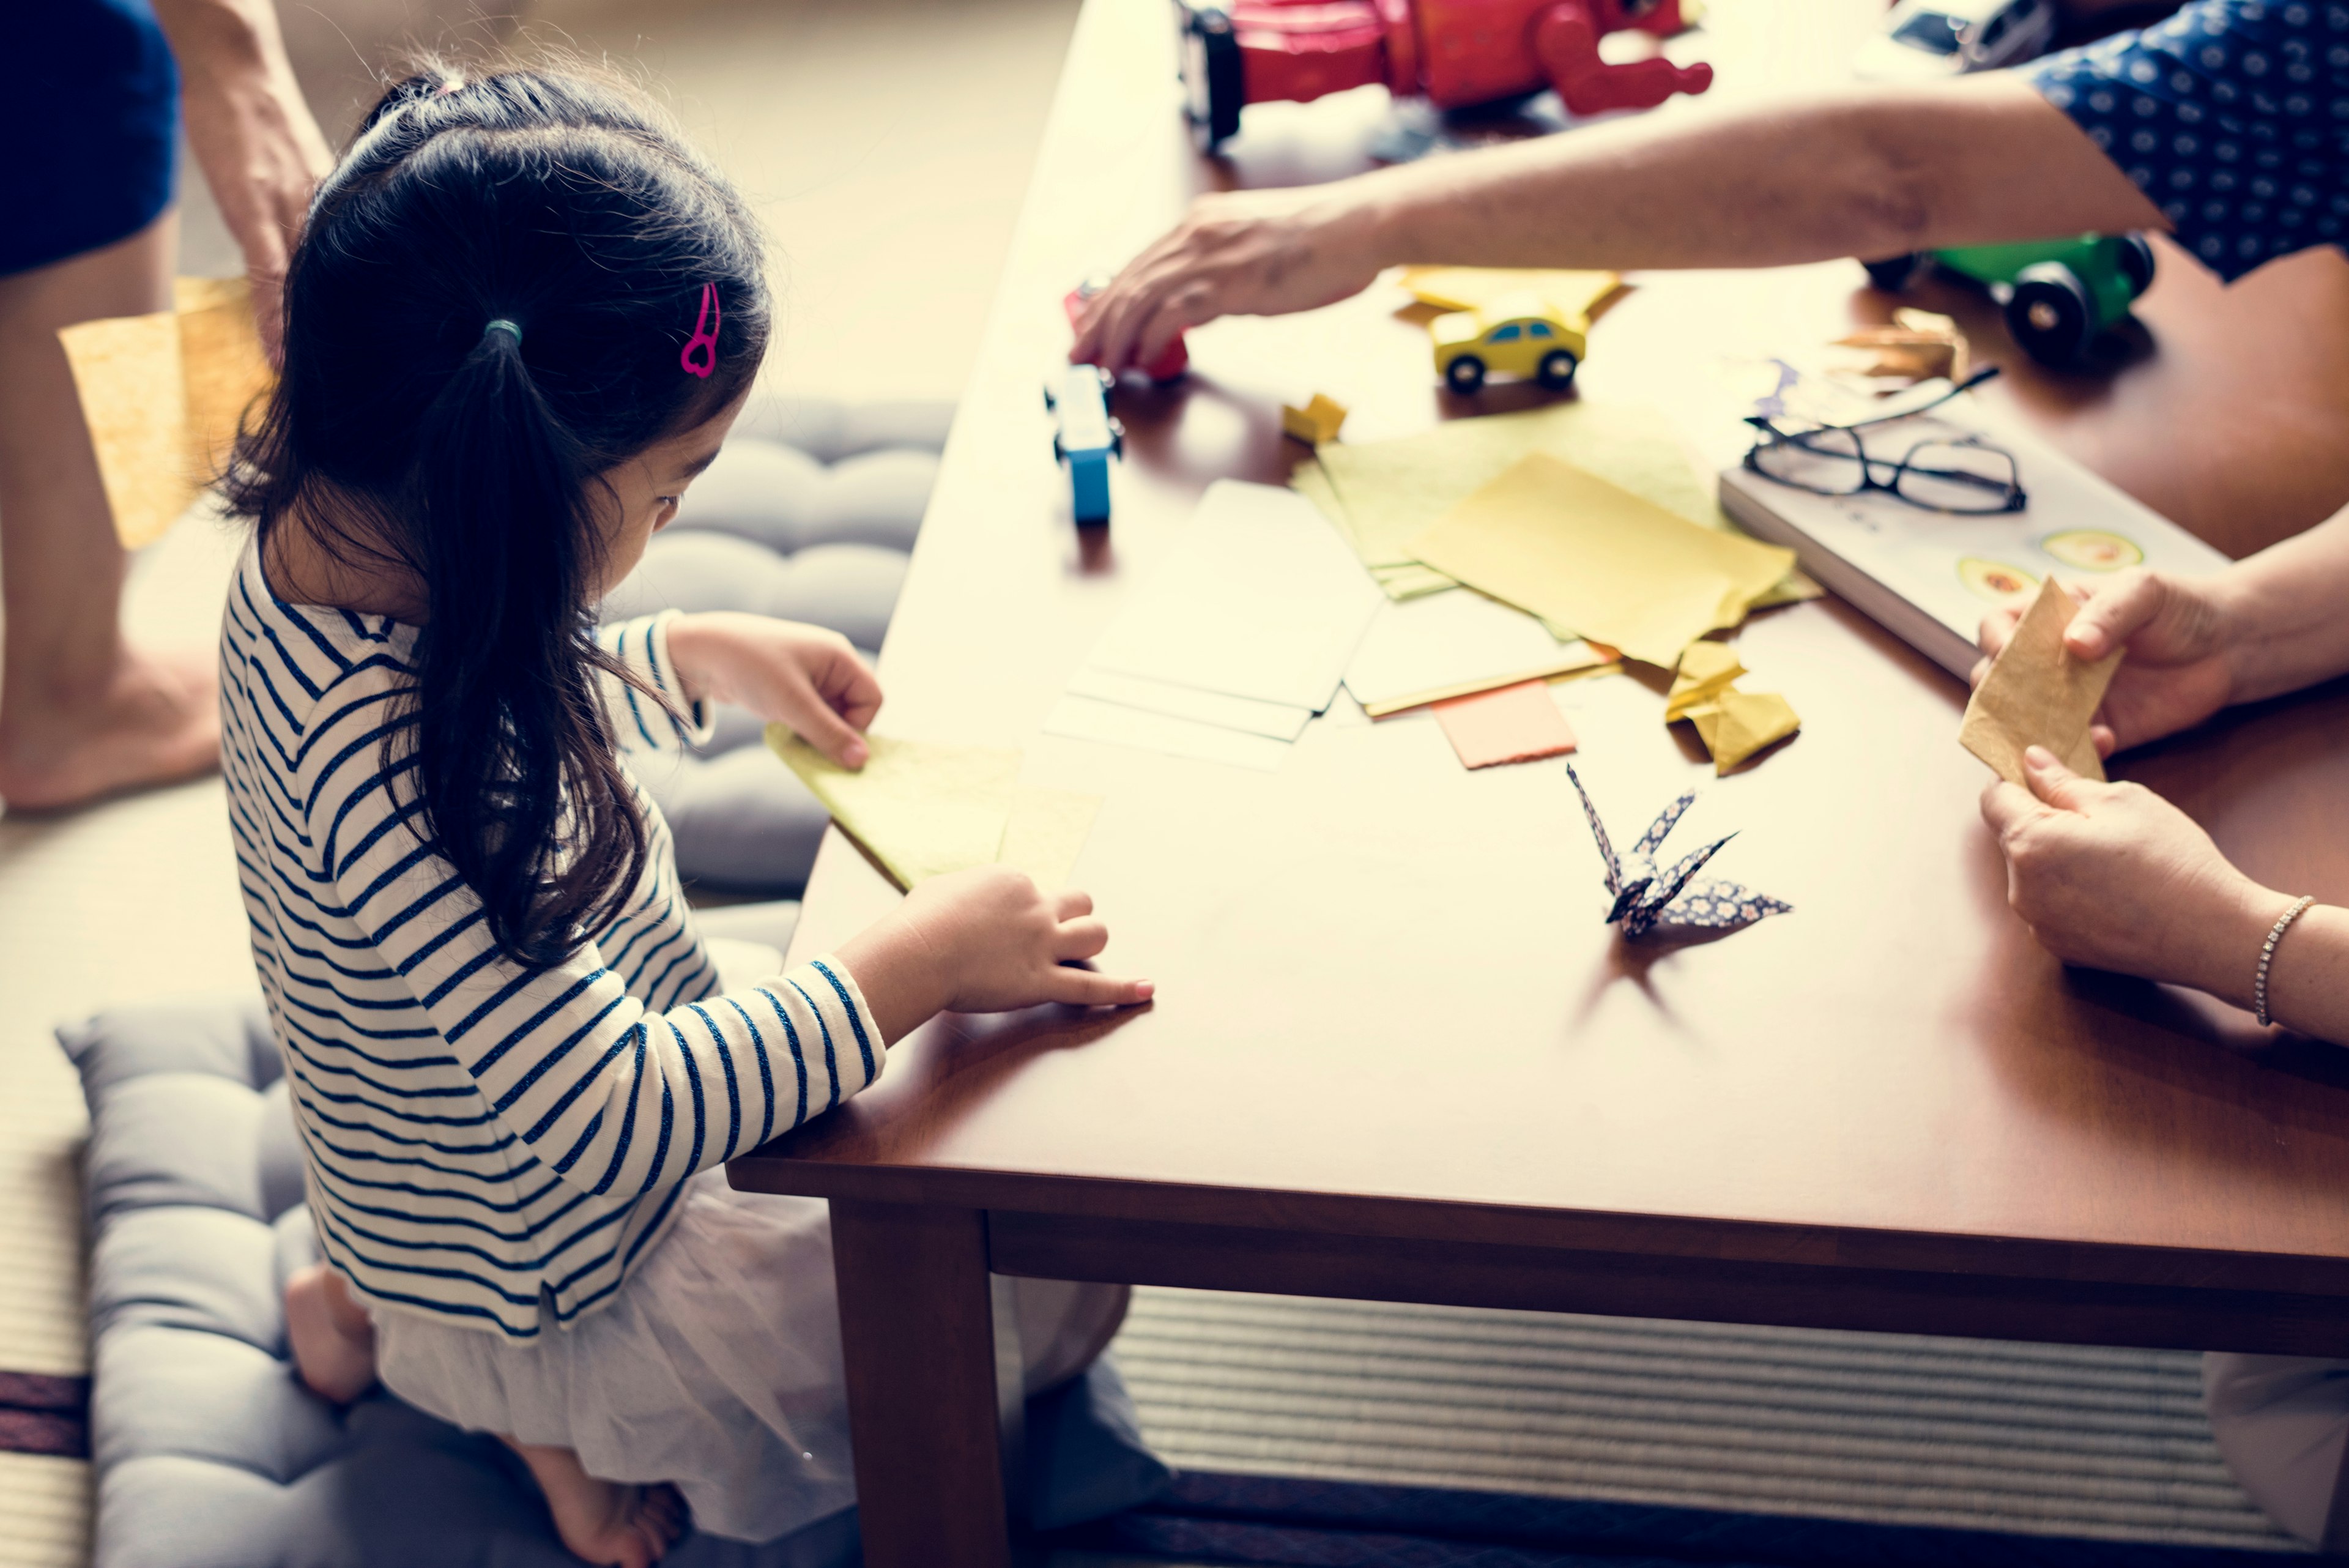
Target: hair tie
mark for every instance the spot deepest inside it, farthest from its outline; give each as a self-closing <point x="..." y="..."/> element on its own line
<point x="705" y="335"/>
<point x="500" y="324"/>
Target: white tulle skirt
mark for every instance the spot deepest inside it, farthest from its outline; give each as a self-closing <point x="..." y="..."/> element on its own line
<point x="2282" y="1426"/>
<point x="717" y="1366"/>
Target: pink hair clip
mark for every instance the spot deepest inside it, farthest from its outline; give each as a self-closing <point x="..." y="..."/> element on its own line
<point x="704" y="336"/>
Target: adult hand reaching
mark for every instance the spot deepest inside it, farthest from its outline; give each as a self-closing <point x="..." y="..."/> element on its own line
<point x="2182" y="635"/>
<point x="261" y="152"/>
<point x="1240" y="253"/>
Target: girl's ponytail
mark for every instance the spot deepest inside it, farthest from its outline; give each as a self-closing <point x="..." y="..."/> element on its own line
<point x="509" y="565"/>
<point x="484" y="317"/>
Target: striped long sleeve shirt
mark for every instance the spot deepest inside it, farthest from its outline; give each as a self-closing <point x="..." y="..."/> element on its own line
<point x="482" y="1135"/>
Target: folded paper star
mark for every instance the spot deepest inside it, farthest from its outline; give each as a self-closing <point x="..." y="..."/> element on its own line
<point x="1646" y="898"/>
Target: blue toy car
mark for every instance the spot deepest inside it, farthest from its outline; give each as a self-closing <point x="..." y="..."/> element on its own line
<point x="1088" y="438"/>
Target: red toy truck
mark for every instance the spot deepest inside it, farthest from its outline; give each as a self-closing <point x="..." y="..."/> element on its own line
<point x="1453" y="53"/>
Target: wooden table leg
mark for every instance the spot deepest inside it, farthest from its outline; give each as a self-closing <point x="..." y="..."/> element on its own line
<point x="917" y="1328"/>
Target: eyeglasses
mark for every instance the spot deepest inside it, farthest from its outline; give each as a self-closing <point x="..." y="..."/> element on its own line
<point x="1940" y="474"/>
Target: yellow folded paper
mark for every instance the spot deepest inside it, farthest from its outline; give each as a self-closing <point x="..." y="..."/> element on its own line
<point x="2036" y="693"/>
<point x="1705" y="671"/>
<point x="1736" y="724"/>
<point x="1046" y="832"/>
<point x="1317" y="421"/>
<point x="924" y="810"/>
<point x="1569" y="293"/>
<point x="163" y="395"/>
<point x="1583" y="554"/>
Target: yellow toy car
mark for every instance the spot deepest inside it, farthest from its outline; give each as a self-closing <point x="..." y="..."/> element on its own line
<point x="1518" y="336"/>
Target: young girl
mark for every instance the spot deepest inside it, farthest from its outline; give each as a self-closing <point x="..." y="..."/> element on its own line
<point x="521" y="319"/>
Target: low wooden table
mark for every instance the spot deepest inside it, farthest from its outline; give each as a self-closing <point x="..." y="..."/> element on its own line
<point x="1395" y="1054"/>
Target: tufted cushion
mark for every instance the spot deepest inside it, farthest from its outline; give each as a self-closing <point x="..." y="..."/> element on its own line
<point x="808" y="515"/>
<point x="209" y="1453"/>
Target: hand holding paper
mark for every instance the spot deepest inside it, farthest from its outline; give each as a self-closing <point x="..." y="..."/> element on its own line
<point x="924" y="810"/>
<point x="2037" y="693"/>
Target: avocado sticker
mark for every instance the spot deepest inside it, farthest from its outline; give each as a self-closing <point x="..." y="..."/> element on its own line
<point x="2092" y="549"/>
<point x="1996" y="581"/>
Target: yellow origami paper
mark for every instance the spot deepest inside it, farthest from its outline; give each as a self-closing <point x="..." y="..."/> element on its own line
<point x="1046" y="833"/>
<point x="1706" y="670"/>
<point x="2036" y="693"/>
<point x="1317" y="421"/>
<point x="1736" y="724"/>
<point x="924" y="810"/>
<point x="1597" y="561"/>
<point x="1569" y="293"/>
<point x="162" y="396"/>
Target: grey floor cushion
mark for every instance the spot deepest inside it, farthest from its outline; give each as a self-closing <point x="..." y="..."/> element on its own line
<point x="807" y="514"/>
<point x="207" y="1451"/>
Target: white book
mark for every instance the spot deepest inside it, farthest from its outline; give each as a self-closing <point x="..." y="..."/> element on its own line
<point x="1930" y="577"/>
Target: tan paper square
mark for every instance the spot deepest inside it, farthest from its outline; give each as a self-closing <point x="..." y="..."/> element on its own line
<point x="161" y="395"/>
<point x="2037" y="694"/>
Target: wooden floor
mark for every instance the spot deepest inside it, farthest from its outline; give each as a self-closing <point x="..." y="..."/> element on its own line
<point x="886" y="146"/>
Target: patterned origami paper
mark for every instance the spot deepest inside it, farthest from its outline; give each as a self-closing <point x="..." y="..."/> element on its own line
<point x="1646" y="899"/>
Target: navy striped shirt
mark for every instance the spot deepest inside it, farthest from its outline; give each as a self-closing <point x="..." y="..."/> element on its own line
<point x="481" y="1135"/>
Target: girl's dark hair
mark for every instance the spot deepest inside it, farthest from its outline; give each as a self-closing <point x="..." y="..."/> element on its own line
<point x="406" y="432"/>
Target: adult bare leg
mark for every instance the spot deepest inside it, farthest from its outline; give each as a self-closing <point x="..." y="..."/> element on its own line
<point x="82" y="712"/>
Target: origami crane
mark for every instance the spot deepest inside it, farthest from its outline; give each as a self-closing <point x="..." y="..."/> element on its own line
<point x="1646" y="898"/>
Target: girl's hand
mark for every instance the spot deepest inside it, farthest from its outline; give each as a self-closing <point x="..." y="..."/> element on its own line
<point x="787" y="673"/>
<point x="2182" y="636"/>
<point x="2113" y="876"/>
<point x="1235" y="253"/>
<point x="983" y="940"/>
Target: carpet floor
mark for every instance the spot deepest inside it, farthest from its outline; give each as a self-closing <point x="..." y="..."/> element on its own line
<point x="1395" y="1409"/>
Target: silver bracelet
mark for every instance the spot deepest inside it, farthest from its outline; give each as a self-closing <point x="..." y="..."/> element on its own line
<point x="2267" y="957"/>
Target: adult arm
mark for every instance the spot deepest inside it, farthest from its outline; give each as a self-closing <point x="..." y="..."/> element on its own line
<point x="260" y="148"/>
<point x="2269" y="624"/>
<point x="2113" y="876"/>
<point x="1870" y="171"/>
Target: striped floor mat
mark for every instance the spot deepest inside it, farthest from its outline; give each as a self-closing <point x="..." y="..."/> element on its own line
<point x="1377" y="1413"/>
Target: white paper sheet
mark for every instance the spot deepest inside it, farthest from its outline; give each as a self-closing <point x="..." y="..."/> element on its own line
<point x="1088" y="719"/>
<point x="1259" y="597"/>
<point x="1276" y="719"/>
<point x="1443" y="643"/>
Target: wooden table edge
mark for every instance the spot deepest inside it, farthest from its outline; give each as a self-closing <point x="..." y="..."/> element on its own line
<point x="1240" y="1214"/>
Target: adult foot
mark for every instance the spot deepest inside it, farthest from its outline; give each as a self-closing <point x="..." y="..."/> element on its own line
<point x="334" y="1353"/>
<point x="157" y="722"/>
<point x="609" y="1523"/>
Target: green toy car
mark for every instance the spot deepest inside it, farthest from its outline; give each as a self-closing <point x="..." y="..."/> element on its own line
<point x="2058" y="294"/>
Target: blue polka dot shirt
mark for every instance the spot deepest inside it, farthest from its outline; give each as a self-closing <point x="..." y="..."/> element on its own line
<point x="2233" y="116"/>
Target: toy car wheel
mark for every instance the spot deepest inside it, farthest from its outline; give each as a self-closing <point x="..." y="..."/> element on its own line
<point x="2136" y="263"/>
<point x="2050" y="314"/>
<point x="1894" y="274"/>
<point x="1059" y="452"/>
<point x="1558" y="367"/>
<point x="1466" y="375"/>
<point x="1213" y="87"/>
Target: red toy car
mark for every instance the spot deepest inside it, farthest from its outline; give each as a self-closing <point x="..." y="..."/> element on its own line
<point x="1453" y="53"/>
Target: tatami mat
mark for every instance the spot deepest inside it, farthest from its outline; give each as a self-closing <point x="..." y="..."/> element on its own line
<point x="44" y="1512"/>
<point x="1964" y="1434"/>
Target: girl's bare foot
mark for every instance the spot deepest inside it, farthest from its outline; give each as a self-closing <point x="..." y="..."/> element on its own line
<point x="333" y="1343"/>
<point x="157" y="721"/>
<point x="603" y="1521"/>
